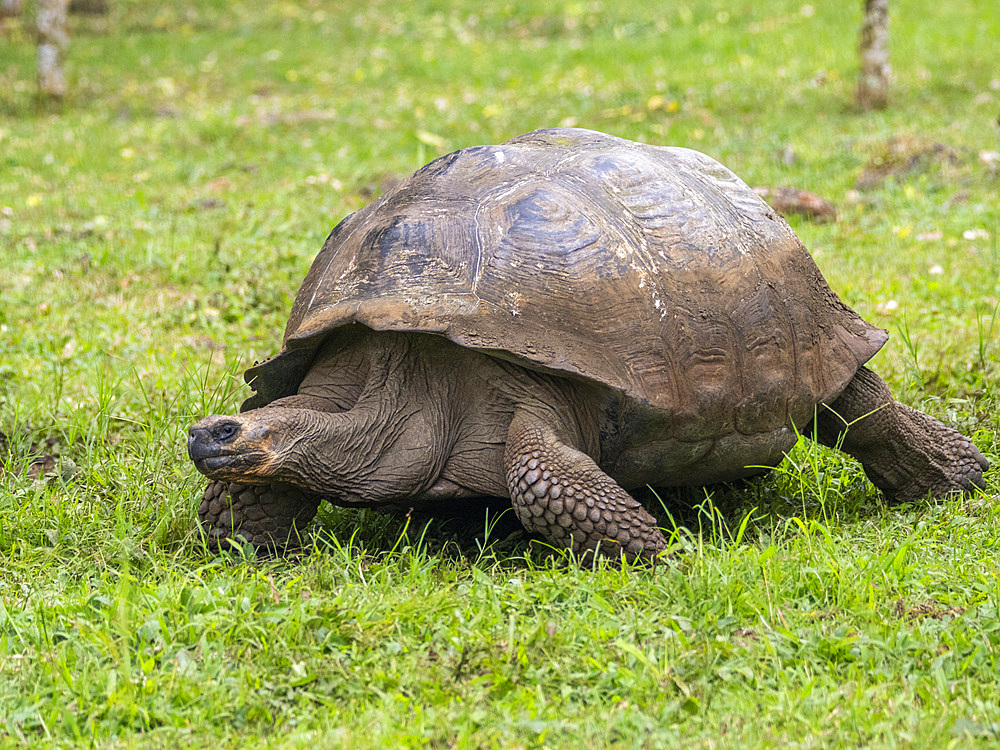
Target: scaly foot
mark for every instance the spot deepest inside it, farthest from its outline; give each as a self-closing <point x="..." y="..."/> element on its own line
<point x="268" y="516"/>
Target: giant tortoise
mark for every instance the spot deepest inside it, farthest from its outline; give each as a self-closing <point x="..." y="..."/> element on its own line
<point x="559" y="319"/>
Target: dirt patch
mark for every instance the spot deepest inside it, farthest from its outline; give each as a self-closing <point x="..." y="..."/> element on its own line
<point x="787" y="200"/>
<point x="929" y="608"/>
<point x="902" y="155"/>
<point x="743" y="637"/>
<point x="33" y="460"/>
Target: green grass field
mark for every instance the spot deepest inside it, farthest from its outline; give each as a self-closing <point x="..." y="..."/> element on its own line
<point x="155" y="227"/>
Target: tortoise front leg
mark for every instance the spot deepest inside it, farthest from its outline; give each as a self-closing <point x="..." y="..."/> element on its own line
<point x="269" y="516"/>
<point x="905" y="453"/>
<point x="561" y="494"/>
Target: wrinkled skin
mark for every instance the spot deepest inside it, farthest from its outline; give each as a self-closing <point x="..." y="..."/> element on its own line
<point x="399" y="421"/>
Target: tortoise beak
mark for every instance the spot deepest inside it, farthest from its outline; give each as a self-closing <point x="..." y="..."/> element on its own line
<point x="211" y="443"/>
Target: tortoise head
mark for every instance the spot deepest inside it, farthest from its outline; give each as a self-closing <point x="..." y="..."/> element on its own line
<point x="251" y="448"/>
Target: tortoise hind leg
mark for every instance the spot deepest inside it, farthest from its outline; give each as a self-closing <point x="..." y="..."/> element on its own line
<point x="561" y="494"/>
<point x="905" y="453"/>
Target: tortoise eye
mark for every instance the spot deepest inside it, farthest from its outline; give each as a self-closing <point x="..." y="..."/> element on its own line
<point x="225" y="431"/>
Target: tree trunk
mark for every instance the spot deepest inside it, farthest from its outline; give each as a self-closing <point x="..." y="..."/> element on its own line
<point x="52" y="40"/>
<point x="873" y="81"/>
<point x="88" y="7"/>
<point x="10" y="8"/>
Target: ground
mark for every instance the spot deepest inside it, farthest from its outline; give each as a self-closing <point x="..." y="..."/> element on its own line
<point x="154" y="228"/>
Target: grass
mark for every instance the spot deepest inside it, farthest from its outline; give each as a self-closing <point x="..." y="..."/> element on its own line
<point x="154" y="229"/>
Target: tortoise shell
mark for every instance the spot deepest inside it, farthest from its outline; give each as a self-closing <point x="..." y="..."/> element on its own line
<point x="652" y="270"/>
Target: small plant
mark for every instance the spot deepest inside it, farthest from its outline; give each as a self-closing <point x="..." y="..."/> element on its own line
<point x="987" y="333"/>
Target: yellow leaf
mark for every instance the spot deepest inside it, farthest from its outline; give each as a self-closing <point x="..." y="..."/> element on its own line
<point x="166" y="86"/>
<point x="661" y="102"/>
<point x="431" y="139"/>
